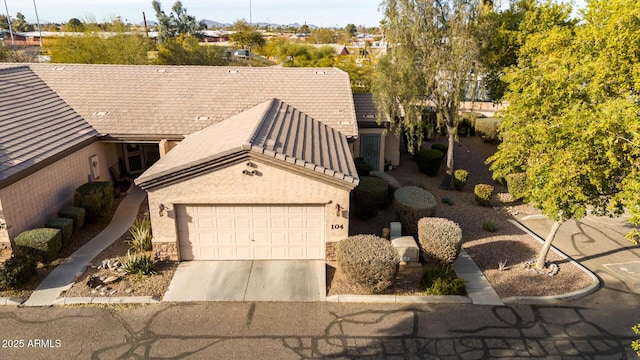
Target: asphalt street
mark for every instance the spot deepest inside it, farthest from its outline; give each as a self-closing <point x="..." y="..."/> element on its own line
<point x="597" y="326"/>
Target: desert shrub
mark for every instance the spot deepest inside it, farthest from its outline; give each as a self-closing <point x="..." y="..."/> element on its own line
<point x="440" y="147"/>
<point x="96" y="198"/>
<point x="483" y="194"/>
<point x="411" y="204"/>
<point x="17" y="271"/>
<point x="487" y="128"/>
<point x="362" y="168"/>
<point x="441" y="280"/>
<point x="139" y="238"/>
<point x="516" y="185"/>
<point x="77" y="214"/>
<point x="138" y="263"/>
<point x="489" y="226"/>
<point x="370" y="194"/>
<point x="440" y="239"/>
<point x="43" y="244"/>
<point x="369" y="261"/>
<point x="429" y="161"/>
<point x="460" y="177"/>
<point x="391" y="181"/>
<point x="65" y="225"/>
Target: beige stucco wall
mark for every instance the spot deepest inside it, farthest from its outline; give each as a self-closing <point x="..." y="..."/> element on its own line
<point x="392" y="148"/>
<point x="29" y="202"/>
<point x="274" y="185"/>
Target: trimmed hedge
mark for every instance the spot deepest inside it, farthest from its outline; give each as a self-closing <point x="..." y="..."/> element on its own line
<point x="391" y="181"/>
<point x="43" y="243"/>
<point x="440" y="147"/>
<point x="362" y="168"/>
<point x="368" y="260"/>
<point x="77" y="214"/>
<point x="440" y="239"/>
<point x="96" y="198"/>
<point x="411" y="204"/>
<point x="516" y="185"/>
<point x="370" y="194"/>
<point x="483" y="194"/>
<point x="17" y="271"/>
<point x="429" y="161"/>
<point x="64" y="224"/>
<point x="460" y="177"/>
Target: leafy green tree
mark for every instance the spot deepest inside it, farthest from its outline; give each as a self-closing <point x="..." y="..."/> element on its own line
<point x="295" y="54"/>
<point x="361" y="71"/>
<point x="178" y="22"/>
<point x="432" y="58"/>
<point x="73" y="25"/>
<point x="351" y="29"/>
<point x="323" y="36"/>
<point x="304" y="29"/>
<point x="186" y="50"/>
<point x="572" y="126"/>
<point x="95" y="47"/>
<point x="246" y="36"/>
<point x="20" y="24"/>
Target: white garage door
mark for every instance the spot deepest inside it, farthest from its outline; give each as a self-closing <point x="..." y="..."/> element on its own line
<point x="232" y="232"/>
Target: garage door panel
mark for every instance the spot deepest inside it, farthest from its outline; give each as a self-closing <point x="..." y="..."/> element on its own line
<point x="218" y="232"/>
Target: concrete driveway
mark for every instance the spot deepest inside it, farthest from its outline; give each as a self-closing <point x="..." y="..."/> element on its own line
<point x="250" y="280"/>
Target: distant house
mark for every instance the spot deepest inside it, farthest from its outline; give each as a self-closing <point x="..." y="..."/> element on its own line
<point x="271" y="145"/>
<point x="339" y="49"/>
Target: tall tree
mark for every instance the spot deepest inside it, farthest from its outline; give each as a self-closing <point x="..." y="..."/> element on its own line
<point x="20" y="24"/>
<point x="186" y="50"/>
<point x="178" y="22"/>
<point x="246" y="36"/>
<point x="431" y="58"/>
<point x="572" y="126"/>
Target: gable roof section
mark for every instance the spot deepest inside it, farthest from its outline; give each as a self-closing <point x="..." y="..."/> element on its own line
<point x="274" y="129"/>
<point x="135" y="102"/>
<point x="36" y="125"/>
<point x="366" y="111"/>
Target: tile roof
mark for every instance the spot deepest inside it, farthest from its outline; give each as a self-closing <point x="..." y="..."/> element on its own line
<point x="36" y="124"/>
<point x="274" y="129"/>
<point x="133" y="101"/>
<point x="366" y="111"/>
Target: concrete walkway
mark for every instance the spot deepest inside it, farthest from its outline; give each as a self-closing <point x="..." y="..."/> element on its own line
<point x="63" y="275"/>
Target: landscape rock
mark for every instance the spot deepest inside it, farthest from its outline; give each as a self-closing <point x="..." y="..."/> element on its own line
<point x="111" y="279"/>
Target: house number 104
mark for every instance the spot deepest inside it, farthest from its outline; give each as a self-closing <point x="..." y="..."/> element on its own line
<point x="337" y="226"/>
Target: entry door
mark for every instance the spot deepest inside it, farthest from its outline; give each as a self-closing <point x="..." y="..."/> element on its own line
<point x="370" y="149"/>
<point x="134" y="158"/>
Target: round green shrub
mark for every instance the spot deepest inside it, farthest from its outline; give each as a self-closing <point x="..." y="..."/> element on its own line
<point x="96" y="198"/>
<point x="483" y="194"/>
<point x="370" y="194"/>
<point x="362" y="168"/>
<point x="441" y="280"/>
<point x="17" y="271"/>
<point x="460" y="177"/>
<point x="516" y="185"/>
<point x="412" y="203"/>
<point x="440" y="147"/>
<point x="43" y="243"/>
<point x="391" y="181"/>
<point x="368" y="260"/>
<point x="77" y="214"/>
<point x="440" y="239"/>
<point x="429" y="161"/>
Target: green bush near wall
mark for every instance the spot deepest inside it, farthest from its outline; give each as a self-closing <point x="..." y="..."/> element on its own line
<point x="42" y="243"/>
<point x="77" y="214"/>
<point x="96" y="198"/>
<point x="429" y="161"/>
<point x="65" y="225"/>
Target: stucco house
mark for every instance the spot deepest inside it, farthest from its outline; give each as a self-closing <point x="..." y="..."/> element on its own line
<point x="201" y="127"/>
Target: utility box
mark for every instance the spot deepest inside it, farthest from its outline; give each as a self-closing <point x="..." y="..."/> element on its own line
<point x="407" y="249"/>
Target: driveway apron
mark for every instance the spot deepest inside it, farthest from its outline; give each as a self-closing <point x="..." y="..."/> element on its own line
<point x="250" y="280"/>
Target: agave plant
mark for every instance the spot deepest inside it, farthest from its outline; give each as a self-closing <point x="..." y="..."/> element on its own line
<point x="140" y="235"/>
<point x="138" y="263"/>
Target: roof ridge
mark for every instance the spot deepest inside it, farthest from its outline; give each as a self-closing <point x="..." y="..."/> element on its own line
<point x="254" y="134"/>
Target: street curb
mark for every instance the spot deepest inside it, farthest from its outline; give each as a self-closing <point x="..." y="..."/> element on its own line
<point x="107" y="300"/>
<point x="554" y="299"/>
<point x="400" y="299"/>
<point x="11" y="301"/>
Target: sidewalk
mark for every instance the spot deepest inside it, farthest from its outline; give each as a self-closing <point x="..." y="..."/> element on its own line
<point x="63" y="275"/>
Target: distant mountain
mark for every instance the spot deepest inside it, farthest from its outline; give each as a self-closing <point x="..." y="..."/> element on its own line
<point x="213" y="23"/>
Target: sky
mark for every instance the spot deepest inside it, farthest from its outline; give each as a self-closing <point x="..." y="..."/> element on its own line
<point x="325" y="13"/>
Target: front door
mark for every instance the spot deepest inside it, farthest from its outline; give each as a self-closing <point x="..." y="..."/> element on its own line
<point x="134" y="159"/>
<point x="370" y="149"/>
